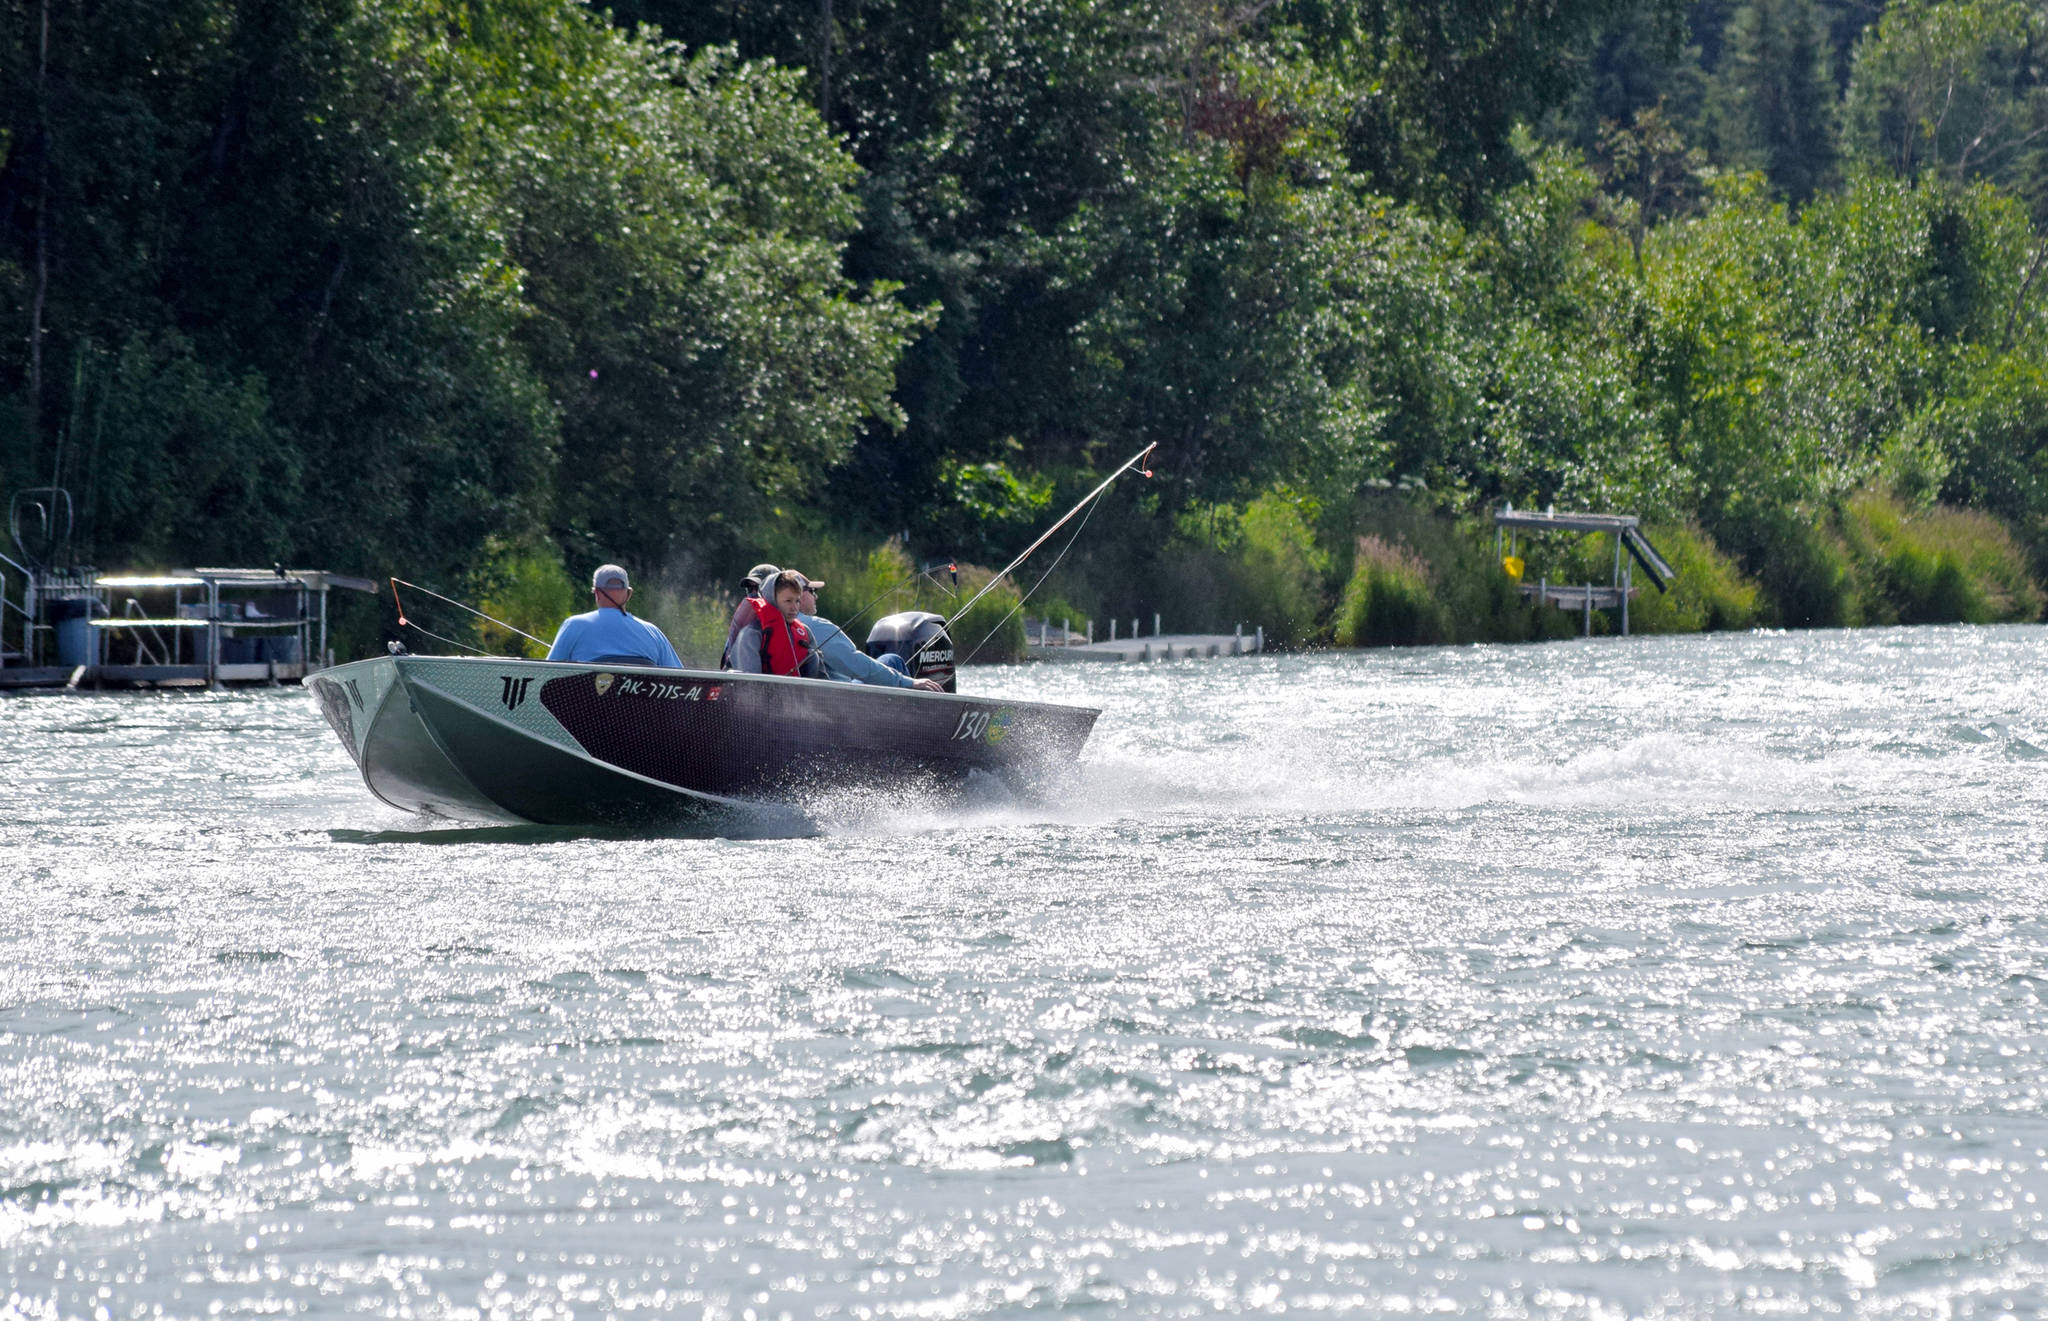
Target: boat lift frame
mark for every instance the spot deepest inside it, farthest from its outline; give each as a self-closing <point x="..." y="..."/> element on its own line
<point x="1626" y="529"/>
<point x="181" y="645"/>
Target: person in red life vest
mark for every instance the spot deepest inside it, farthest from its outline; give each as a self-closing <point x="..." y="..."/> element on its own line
<point x="743" y="614"/>
<point x="776" y="641"/>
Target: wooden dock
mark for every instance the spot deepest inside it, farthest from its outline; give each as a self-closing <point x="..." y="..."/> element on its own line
<point x="1158" y="647"/>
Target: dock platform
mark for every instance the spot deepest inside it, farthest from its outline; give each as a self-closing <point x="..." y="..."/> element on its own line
<point x="1159" y="647"/>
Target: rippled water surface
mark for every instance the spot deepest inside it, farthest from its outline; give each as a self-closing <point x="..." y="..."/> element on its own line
<point x="1676" y="977"/>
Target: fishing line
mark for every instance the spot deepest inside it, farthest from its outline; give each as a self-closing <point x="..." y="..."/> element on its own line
<point x="1034" y="587"/>
<point x="475" y="651"/>
<point x="395" y="584"/>
<point x="1044" y="537"/>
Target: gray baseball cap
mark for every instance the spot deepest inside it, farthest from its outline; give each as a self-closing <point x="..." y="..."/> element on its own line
<point x="610" y="576"/>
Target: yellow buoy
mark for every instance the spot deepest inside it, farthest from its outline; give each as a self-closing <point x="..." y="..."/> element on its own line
<point x="1513" y="564"/>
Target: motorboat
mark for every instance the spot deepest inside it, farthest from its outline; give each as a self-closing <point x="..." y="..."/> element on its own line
<point x="620" y="742"/>
<point x="556" y="743"/>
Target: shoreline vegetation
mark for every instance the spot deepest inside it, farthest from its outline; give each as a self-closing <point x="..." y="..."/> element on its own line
<point x="486" y="293"/>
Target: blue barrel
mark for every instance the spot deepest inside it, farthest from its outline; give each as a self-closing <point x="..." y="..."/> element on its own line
<point x="71" y="619"/>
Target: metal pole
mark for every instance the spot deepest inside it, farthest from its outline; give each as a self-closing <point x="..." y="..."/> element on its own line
<point x="1628" y="578"/>
<point x="1589" y="610"/>
<point x="323" y="629"/>
<point x="1155" y="625"/>
<point x="212" y="633"/>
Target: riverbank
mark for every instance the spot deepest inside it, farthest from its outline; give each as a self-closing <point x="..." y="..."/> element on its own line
<point x="1395" y="571"/>
<point x="1391" y="570"/>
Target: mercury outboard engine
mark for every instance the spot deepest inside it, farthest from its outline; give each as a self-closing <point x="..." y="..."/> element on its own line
<point x="920" y="638"/>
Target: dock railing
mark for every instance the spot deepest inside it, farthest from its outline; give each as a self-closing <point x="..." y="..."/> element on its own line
<point x="18" y="612"/>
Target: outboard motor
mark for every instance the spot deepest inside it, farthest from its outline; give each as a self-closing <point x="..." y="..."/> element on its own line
<point x="920" y="638"/>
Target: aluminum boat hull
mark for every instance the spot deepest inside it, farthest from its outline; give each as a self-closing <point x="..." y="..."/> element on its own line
<point x="475" y="738"/>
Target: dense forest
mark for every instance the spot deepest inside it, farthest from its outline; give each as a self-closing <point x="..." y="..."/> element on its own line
<point x="486" y="291"/>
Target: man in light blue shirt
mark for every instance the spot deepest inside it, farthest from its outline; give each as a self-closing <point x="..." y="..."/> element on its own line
<point x="843" y="660"/>
<point x="608" y="633"/>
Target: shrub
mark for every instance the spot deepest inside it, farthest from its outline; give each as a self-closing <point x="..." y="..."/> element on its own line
<point x="993" y="628"/>
<point x="1477" y="600"/>
<point x="1939" y="566"/>
<point x="529" y="589"/>
<point x="1281" y="567"/>
<point x="1259" y="566"/>
<point x="1798" y="562"/>
<point x="1389" y="600"/>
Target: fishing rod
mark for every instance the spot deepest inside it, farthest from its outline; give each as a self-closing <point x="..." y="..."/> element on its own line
<point x="1127" y="465"/>
<point x="1122" y="468"/>
<point x="1083" y="527"/>
<point x="403" y="622"/>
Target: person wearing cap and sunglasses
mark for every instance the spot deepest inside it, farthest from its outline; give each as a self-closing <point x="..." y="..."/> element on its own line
<point x="744" y="614"/>
<point x="608" y="634"/>
<point x="843" y="660"/>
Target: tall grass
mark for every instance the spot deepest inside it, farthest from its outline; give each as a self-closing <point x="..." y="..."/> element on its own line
<point x="1390" y="600"/>
<point x="529" y="589"/>
<point x="1804" y="573"/>
<point x="1936" y="566"/>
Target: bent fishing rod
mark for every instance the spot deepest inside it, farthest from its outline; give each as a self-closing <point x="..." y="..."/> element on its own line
<point x="1134" y="462"/>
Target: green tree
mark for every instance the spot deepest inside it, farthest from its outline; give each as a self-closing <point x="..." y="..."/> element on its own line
<point x="1774" y="97"/>
<point x="1953" y="87"/>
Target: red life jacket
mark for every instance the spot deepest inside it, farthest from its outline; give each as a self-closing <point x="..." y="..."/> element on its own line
<point x="785" y="643"/>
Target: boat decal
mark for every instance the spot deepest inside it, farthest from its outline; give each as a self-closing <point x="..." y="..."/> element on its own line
<point x="478" y="685"/>
<point x="604" y="683"/>
<point x="661" y="690"/>
<point x="983" y="726"/>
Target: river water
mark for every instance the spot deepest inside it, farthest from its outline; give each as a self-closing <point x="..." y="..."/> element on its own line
<point x="1655" y="977"/>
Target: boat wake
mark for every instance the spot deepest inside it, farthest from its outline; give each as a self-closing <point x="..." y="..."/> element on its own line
<point x="1246" y="781"/>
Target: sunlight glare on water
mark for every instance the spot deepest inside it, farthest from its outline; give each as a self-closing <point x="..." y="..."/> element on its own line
<point x="1654" y="977"/>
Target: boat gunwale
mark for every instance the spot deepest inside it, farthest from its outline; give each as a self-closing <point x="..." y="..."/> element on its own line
<point x="715" y="676"/>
